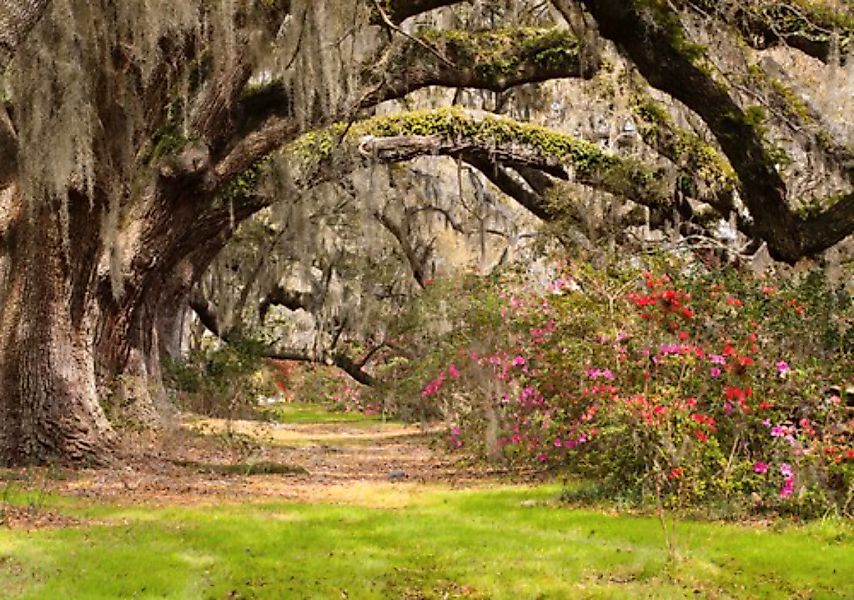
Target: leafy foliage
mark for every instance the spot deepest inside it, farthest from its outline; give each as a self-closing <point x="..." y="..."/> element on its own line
<point x="689" y="388"/>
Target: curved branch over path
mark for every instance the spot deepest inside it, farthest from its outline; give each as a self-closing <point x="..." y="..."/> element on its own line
<point x="207" y="314"/>
<point x="652" y="36"/>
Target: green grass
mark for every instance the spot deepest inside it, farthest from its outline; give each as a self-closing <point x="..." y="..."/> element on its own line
<point x="300" y="412"/>
<point x="410" y="542"/>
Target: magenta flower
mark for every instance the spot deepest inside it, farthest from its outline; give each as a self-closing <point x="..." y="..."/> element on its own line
<point x="788" y="487"/>
<point x="542" y="457"/>
<point x="715" y="372"/>
<point x="669" y="349"/>
<point x="717" y="359"/>
<point x="760" y="467"/>
<point x="786" y="470"/>
<point x="453" y="371"/>
<point x="519" y="361"/>
<point x="782" y="367"/>
<point x="600" y="373"/>
<point x="455" y="431"/>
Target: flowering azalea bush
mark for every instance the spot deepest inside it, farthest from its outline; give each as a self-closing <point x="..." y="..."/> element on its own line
<point x="689" y="389"/>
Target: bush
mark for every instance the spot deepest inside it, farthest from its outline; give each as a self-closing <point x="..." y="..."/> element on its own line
<point x="689" y="388"/>
<point x="219" y="381"/>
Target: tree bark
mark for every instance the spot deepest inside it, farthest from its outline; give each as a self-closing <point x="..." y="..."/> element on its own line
<point x="49" y="409"/>
<point x="17" y="18"/>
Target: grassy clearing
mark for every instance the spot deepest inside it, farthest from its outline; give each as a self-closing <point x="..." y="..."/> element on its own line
<point x="329" y="433"/>
<point x="302" y="412"/>
<point x="510" y="542"/>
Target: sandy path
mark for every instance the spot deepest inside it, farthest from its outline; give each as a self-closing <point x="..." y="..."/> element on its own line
<point x="365" y="463"/>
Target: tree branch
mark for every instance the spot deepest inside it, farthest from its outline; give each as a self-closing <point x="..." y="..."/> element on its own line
<point x="489" y="60"/>
<point x="340" y="360"/>
<point x="208" y="317"/>
<point x="812" y="28"/>
<point x="402" y="233"/>
<point x="653" y="37"/>
<point x="502" y="60"/>
<point x="400" y="10"/>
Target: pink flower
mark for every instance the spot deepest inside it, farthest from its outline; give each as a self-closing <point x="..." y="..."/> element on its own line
<point x="760" y="467"/>
<point x="782" y="367"/>
<point x="786" y="470"/>
<point x="669" y="349"/>
<point x="519" y="361"/>
<point x="542" y="457"/>
<point x="603" y="373"/>
<point x="455" y="431"/>
<point x="557" y="443"/>
<point x="453" y="371"/>
<point x="715" y="372"/>
<point x="717" y="359"/>
<point x="788" y="487"/>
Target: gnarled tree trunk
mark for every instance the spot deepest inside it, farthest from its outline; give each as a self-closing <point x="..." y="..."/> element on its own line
<point x="49" y="407"/>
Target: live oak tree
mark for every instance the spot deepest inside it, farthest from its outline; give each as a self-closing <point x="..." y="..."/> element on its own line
<point x="136" y="136"/>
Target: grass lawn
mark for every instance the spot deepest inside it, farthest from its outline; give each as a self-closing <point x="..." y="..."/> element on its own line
<point x="408" y="541"/>
<point x="302" y="412"/>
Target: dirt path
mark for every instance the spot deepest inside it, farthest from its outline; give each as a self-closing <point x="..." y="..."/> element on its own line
<point x="206" y="461"/>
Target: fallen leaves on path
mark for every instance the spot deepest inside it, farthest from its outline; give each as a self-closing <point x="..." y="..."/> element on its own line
<point x="210" y="461"/>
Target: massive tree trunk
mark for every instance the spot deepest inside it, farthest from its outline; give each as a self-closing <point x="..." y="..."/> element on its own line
<point x="49" y="407"/>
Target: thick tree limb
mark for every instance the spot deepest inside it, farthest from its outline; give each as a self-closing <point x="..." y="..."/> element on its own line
<point x="400" y="10"/>
<point x="256" y="146"/>
<point x="653" y="38"/>
<point x="495" y="61"/>
<point x="290" y="299"/>
<point x="819" y="31"/>
<point x="489" y="60"/>
<point x="532" y="200"/>
<point x="402" y="232"/>
<point x="457" y="133"/>
<point x="208" y="317"/>
<point x="342" y="361"/>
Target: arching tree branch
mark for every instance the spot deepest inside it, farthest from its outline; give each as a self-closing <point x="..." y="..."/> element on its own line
<point x="488" y="60"/>
<point x="400" y="10"/>
<point x="652" y="36"/>
<point x="816" y="30"/>
<point x="208" y="317"/>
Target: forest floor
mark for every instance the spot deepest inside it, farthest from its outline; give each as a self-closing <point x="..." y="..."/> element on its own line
<point x="329" y="505"/>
